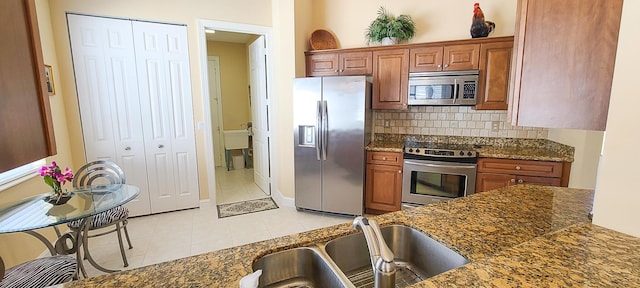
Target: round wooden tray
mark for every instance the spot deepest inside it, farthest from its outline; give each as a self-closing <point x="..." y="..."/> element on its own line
<point x="322" y="39"/>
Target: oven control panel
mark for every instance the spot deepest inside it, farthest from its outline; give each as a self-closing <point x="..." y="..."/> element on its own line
<point x="446" y="153"/>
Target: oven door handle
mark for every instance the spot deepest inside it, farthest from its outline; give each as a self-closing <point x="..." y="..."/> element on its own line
<point x="456" y="90"/>
<point x="440" y="165"/>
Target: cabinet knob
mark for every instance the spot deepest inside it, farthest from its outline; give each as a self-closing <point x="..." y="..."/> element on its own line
<point x="439" y="65"/>
<point x="518" y="168"/>
<point x="384" y="158"/>
<point x="399" y="171"/>
<point x="513" y="180"/>
<point x="446" y="65"/>
<point x="337" y="71"/>
<point x="520" y="181"/>
<point x="127" y="148"/>
<point x="160" y="146"/>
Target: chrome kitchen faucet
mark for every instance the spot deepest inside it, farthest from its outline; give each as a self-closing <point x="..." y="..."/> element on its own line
<point x="384" y="269"/>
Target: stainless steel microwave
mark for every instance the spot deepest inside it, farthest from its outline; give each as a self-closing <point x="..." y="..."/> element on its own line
<point x="443" y="88"/>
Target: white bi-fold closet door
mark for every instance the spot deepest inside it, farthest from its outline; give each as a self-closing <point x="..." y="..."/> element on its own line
<point x="134" y="93"/>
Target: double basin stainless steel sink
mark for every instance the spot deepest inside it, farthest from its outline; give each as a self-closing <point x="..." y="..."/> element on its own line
<point x="345" y="262"/>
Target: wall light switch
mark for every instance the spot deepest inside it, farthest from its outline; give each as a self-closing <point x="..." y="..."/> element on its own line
<point x="387" y="123"/>
<point x="495" y="126"/>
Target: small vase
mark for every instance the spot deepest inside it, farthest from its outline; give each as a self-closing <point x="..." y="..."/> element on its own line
<point x="58" y="199"/>
<point x="389" y="41"/>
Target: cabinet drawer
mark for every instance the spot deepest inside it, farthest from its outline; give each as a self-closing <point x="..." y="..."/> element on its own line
<point x="545" y="181"/>
<point x="520" y="167"/>
<point x="384" y="158"/>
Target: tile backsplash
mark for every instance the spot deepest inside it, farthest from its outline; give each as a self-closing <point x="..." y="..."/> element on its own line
<point x="451" y="121"/>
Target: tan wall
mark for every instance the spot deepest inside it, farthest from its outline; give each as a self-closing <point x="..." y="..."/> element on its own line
<point x="284" y="66"/>
<point x="17" y="247"/>
<point x="234" y="83"/>
<point x="617" y="199"/>
<point x="172" y="11"/>
<point x="435" y="20"/>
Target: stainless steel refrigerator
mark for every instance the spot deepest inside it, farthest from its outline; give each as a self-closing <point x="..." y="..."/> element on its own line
<point x="332" y="126"/>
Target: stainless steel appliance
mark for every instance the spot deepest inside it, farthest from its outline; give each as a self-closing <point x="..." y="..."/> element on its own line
<point x="443" y="88"/>
<point x="434" y="172"/>
<point x="330" y="133"/>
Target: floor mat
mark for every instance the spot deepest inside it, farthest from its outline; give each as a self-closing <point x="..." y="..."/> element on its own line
<point x="245" y="207"/>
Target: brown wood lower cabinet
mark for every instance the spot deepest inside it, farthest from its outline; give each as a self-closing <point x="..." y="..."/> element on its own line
<point x="383" y="182"/>
<point x="498" y="173"/>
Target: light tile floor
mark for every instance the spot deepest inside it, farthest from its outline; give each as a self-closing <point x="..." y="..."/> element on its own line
<point x="167" y="236"/>
<point x="236" y="185"/>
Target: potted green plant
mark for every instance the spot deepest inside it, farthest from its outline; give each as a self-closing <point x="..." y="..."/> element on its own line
<point x="388" y="29"/>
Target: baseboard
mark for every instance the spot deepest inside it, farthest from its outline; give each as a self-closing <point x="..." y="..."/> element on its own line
<point x="204" y="202"/>
<point x="281" y="200"/>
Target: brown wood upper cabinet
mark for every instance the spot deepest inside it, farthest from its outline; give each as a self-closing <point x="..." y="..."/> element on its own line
<point x="333" y="64"/>
<point x="493" y="78"/>
<point x="390" y="79"/>
<point x="27" y="129"/>
<point x="444" y="58"/>
<point x="563" y="65"/>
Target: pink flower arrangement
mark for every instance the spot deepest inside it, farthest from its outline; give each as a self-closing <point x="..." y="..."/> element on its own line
<point x="54" y="177"/>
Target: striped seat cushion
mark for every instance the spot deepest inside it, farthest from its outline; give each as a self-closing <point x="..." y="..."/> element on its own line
<point x="103" y="219"/>
<point x="41" y="272"/>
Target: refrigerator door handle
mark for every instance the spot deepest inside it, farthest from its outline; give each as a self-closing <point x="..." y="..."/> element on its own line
<point x="318" y="128"/>
<point x="325" y="129"/>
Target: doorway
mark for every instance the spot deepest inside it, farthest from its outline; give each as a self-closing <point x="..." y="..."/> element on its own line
<point x="245" y="109"/>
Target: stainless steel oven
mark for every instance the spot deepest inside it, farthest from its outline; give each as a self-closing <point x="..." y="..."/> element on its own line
<point x="436" y="174"/>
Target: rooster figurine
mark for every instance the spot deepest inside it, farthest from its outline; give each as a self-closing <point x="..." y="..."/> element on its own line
<point x="479" y="27"/>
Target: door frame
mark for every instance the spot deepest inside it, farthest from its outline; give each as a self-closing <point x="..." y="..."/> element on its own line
<point x="217" y="149"/>
<point x="202" y="43"/>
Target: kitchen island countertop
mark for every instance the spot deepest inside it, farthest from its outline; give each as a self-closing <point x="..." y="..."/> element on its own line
<point x="517" y="236"/>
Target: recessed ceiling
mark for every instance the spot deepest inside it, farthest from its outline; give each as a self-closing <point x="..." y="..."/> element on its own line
<point x="233" y="37"/>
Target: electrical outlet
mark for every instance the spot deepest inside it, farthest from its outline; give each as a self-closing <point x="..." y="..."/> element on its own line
<point x="387" y="123"/>
<point x="495" y="126"/>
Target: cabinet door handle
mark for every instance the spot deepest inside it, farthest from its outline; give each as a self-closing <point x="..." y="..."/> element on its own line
<point x="439" y="65"/>
<point x="520" y="181"/>
<point x="127" y="148"/>
<point x="384" y="158"/>
<point x="518" y="168"/>
<point x="446" y="65"/>
<point x="513" y="180"/>
<point x="399" y="171"/>
<point x="337" y="71"/>
<point x="160" y="146"/>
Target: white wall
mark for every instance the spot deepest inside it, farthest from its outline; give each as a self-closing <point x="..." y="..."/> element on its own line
<point x="617" y="200"/>
<point x="588" y="145"/>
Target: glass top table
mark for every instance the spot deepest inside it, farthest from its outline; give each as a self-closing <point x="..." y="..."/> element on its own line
<point x="34" y="212"/>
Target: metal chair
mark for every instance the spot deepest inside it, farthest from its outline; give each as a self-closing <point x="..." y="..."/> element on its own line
<point x="102" y="172"/>
<point x="43" y="272"/>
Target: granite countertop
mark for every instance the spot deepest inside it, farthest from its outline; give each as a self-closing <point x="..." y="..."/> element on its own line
<point x="505" y="148"/>
<point x="517" y="236"/>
